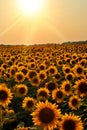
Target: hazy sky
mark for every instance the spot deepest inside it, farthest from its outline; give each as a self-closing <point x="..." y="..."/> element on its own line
<point x="58" y="21"/>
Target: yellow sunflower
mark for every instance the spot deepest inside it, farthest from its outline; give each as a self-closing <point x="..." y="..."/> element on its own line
<point x="78" y="70"/>
<point x="20" y="90"/>
<point x="81" y="87"/>
<point x="31" y="74"/>
<point x="46" y="115"/>
<point x="66" y="69"/>
<point x="28" y="103"/>
<point x="52" y="70"/>
<point x="71" y="122"/>
<point x="69" y="76"/>
<point x="51" y="85"/>
<point x="35" y="81"/>
<point x="74" y="102"/>
<point x="42" y="66"/>
<point x="58" y="95"/>
<point x="43" y="92"/>
<point x="66" y="87"/>
<point x="42" y="75"/>
<point x="19" y="77"/>
<point x="5" y="95"/>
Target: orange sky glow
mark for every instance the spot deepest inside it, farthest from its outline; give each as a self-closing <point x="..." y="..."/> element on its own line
<point x="56" y="21"/>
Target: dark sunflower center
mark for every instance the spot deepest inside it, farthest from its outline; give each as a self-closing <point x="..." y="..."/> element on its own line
<point x="69" y="77"/>
<point x="3" y="95"/>
<point x="32" y="74"/>
<point x="57" y="76"/>
<point x="67" y="87"/>
<point x="52" y="71"/>
<point x="43" y="93"/>
<point x="79" y="70"/>
<point x="22" y="90"/>
<point x="69" y="124"/>
<point x="42" y="76"/>
<point x="46" y="115"/>
<point x="41" y="67"/>
<point x="12" y="71"/>
<point x="24" y="71"/>
<point x="82" y="87"/>
<point x="67" y="70"/>
<point x="19" y="77"/>
<point x="59" y="94"/>
<point x="35" y="80"/>
<point x="51" y="86"/>
<point x="74" y="102"/>
<point x="30" y="104"/>
<point x="32" y="65"/>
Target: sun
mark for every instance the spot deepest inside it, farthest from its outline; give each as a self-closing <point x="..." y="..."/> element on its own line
<point x="30" y="6"/>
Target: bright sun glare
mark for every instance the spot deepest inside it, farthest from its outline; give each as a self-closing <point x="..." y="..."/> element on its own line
<point x="30" y="6"/>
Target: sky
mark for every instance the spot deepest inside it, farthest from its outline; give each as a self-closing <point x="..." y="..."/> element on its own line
<point x="59" y="21"/>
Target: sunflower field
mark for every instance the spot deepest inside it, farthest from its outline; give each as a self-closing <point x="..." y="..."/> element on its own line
<point x="43" y="87"/>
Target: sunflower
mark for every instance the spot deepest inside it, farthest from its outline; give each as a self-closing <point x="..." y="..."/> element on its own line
<point x="35" y="81"/>
<point x="43" y="92"/>
<point x="51" y="85"/>
<point x="24" y="70"/>
<point x="19" y="77"/>
<point x="66" y="87"/>
<point x="66" y="69"/>
<point x="31" y="74"/>
<point x="28" y="103"/>
<point x="5" y="95"/>
<point x="58" y="95"/>
<point x="20" y="90"/>
<point x="42" y="66"/>
<point x="69" y="76"/>
<point x="42" y="75"/>
<point x="74" y="102"/>
<point x="46" y="115"/>
<point x="57" y="76"/>
<point x="52" y="70"/>
<point x="78" y="70"/>
<point x="71" y="122"/>
<point x="81" y="87"/>
<point x="13" y="69"/>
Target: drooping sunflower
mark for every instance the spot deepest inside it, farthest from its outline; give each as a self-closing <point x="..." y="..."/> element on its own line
<point x="19" y="77"/>
<point x="20" y="90"/>
<point x="5" y="95"/>
<point x="43" y="92"/>
<point x="46" y="115"/>
<point x="58" y="95"/>
<point x="74" y="102"/>
<point x="28" y="103"/>
<point x="81" y="87"/>
<point x="71" y="122"/>
<point x="66" y="87"/>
